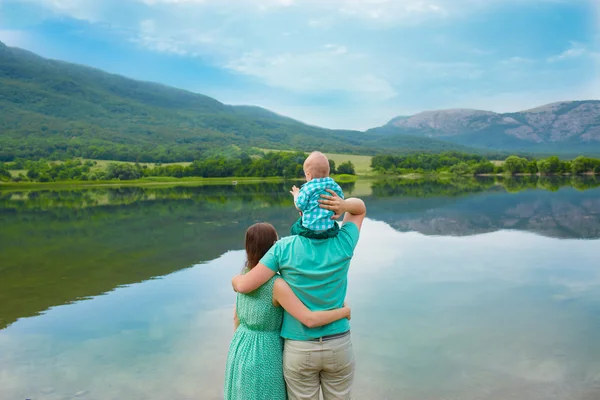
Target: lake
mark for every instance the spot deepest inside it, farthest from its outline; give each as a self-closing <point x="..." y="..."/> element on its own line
<point x="460" y="289"/>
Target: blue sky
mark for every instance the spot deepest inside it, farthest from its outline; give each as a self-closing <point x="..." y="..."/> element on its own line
<point x="334" y="63"/>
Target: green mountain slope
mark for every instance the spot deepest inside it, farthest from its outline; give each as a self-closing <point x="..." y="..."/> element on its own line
<point x="56" y="108"/>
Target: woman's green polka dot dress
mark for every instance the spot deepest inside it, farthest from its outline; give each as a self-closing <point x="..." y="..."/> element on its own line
<point x="255" y="361"/>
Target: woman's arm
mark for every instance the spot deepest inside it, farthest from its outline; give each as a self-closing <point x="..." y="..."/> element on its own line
<point x="284" y="296"/>
<point x="236" y="320"/>
<point x="252" y="280"/>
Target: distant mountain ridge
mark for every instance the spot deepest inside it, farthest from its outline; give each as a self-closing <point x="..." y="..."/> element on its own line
<point x="52" y="108"/>
<point x="562" y="126"/>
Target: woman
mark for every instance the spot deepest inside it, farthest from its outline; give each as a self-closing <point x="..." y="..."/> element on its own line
<point x="255" y="361"/>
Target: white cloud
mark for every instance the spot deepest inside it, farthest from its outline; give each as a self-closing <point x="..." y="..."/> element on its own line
<point x="89" y="10"/>
<point x="517" y="61"/>
<point x="315" y="72"/>
<point x="378" y="55"/>
<point x="149" y="37"/>
<point x="387" y="10"/>
<point x="576" y="50"/>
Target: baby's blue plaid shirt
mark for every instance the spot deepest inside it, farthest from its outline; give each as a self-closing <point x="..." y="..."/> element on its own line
<point x="313" y="216"/>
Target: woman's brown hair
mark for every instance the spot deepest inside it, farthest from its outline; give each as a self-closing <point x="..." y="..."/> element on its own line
<point x="259" y="239"/>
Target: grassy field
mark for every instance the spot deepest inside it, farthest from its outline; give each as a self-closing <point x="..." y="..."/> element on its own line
<point x="149" y="181"/>
<point x="101" y="165"/>
<point x="16" y="172"/>
<point x="362" y="164"/>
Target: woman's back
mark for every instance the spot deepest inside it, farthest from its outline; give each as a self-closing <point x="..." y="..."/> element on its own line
<point x="256" y="311"/>
<point x="255" y="362"/>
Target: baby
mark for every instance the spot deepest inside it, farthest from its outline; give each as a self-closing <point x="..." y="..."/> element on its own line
<point x="315" y="222"/>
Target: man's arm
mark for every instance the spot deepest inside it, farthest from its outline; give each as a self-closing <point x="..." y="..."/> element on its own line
<point x="252" y="280"/>
<point x="354" y="208"/>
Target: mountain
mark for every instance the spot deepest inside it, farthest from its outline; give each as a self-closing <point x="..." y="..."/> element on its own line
<point x="55" y="108"/>
<point x="570" y="126"/>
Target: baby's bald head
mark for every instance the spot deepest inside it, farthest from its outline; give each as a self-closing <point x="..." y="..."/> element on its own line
<point x="316" y="166"/>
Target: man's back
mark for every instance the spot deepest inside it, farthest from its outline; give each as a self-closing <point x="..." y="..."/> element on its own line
<point x="317" y="272"/>
<point x="316" y="269"/>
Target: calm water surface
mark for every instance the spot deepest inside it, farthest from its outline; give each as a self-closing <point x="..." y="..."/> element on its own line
<point x="464" y="290"/>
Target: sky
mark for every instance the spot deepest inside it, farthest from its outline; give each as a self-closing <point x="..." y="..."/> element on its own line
<point x="352" y="64"/>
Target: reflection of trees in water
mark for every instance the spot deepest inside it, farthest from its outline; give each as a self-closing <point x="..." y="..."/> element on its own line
<point x="82" y="242"/>
<point x="79" y="243"/>
<point x="462" y="186"/>
<point x="76" y="244"/>
<point x="266" y="193"/>
<point x="430" y="187"/>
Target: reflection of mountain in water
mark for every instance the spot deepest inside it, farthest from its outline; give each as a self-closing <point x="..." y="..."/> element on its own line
<point x="62" y="246"/>
<point x="567" y="213"/>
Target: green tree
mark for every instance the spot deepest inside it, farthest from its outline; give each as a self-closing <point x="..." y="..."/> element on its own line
<point x="461" y="169"/>
<point x="483" y="167"/>
<point x="123" y="172"/>
<point x="581" y="165"/>
<point x="4" y="173"/>
<point x="515" y="165"/>
<point x="553" y="165"/>
<point x="332" y="169"/>
<point x="532" y="167"/>
<point x="346" y="168"/>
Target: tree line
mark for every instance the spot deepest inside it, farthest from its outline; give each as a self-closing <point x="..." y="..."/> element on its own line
<point x="273" y="164"/>
<point x="472" y="164"/>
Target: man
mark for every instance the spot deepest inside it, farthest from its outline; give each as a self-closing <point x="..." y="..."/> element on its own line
<point x="317" y="271"/>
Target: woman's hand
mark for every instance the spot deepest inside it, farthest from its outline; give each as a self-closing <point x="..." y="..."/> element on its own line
<point x="349" y="310"/>
<point x="334" y="203"/>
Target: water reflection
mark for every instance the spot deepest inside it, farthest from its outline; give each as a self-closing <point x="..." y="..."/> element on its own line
<point x="60" y="246"/>
<point x="497" y="316"/>
<point x="475" y="311"/>
<point x="567" y="213"/>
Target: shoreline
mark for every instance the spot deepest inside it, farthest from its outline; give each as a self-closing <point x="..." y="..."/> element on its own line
<point x="150" y="181"/>
<point x="194" y="181"/>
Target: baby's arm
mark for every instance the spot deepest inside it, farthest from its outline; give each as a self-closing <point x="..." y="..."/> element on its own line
<point x="295" y="192"/>
<point x="300" y="197"/>
<point x="284" y="296"/>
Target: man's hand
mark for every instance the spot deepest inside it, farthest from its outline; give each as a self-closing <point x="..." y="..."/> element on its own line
<point x="233" y="282"/>
<point x="295" y="191"/>
<point x="333" y="203"/>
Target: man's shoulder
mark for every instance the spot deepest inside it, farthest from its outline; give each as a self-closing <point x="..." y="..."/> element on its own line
<point x="349" y="226"/>
<point x="351" y="231"/>
<point x="288" y="241"/>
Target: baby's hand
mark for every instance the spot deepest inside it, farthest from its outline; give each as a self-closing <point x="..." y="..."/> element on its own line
<point x="295" y="191"/>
